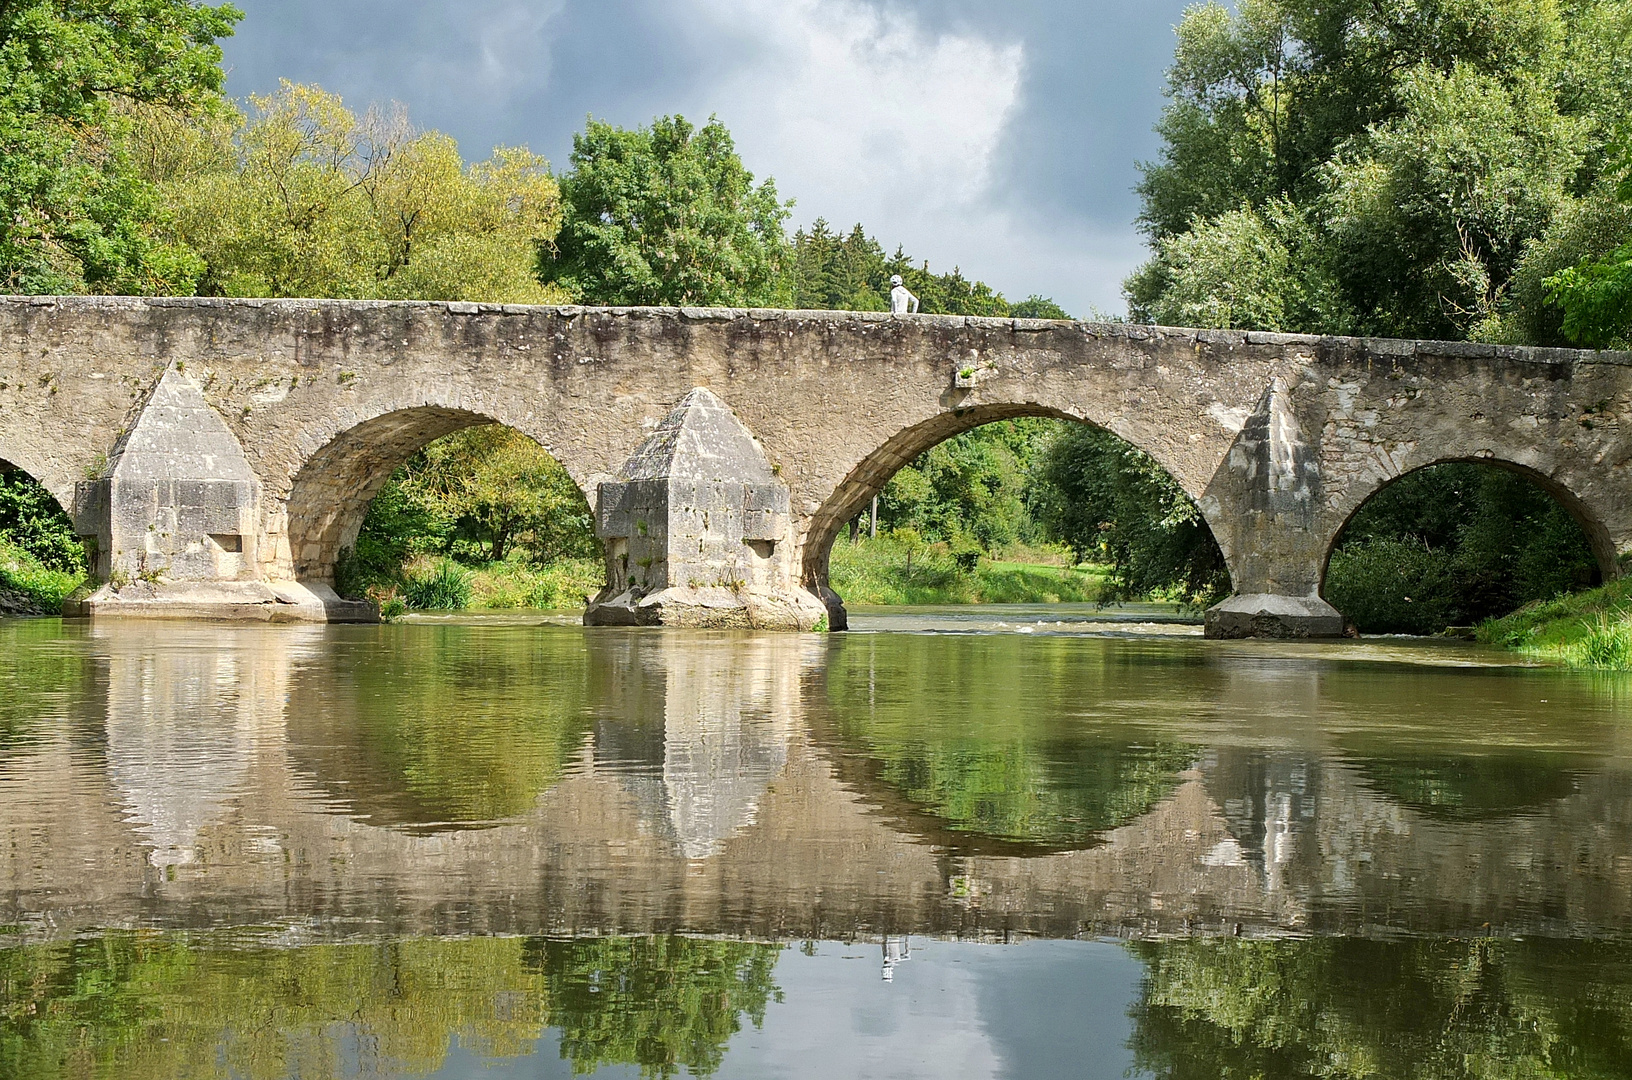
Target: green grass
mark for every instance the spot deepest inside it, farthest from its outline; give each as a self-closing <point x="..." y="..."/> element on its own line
<point x="562" y="585"/>
<point x="875" y="572"/>
<point x="31" y="586"/>
<point x="1590" y="629"/>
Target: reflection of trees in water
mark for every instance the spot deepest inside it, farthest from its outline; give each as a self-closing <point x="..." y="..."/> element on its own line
<point x="994" y="747"/>
<point x="145" y="1005"/>
<point x="653" y="1002"/>
<point x="1348" y="1007"/>
<point x="45" y="675"/>
<point x="447" y="725"/>
<point x="1473" y="787"/>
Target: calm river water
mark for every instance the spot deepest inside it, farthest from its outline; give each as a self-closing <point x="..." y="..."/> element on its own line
<point x="1004" y="842"/>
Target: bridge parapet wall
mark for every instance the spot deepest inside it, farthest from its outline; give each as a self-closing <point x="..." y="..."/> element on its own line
<point x="1279" y="438"/>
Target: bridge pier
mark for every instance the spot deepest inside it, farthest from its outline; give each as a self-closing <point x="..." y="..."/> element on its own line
<point x="698" y="531"/>
<point x="1263" y="505"/>
<point x="174" y="530"/>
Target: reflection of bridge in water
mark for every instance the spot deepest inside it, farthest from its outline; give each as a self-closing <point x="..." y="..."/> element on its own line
<point x="718" y="784"/>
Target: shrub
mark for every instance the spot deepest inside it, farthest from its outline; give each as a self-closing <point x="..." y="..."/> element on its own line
<point x="444" y="585"/>
<point x="1389" y="586"/>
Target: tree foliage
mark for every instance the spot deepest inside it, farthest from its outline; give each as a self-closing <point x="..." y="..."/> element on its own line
<point x="31" y="518"/>
<point x="667" y="215"/>
<point x="1111" y="502"/>
<point x="1375" y="168"/>
<point x="1453" y="545"/>
<point x="850" y="272"/>
<point x="484" y="494"/>
<point x="76" y="213"/>
<point x="302" y="197"/>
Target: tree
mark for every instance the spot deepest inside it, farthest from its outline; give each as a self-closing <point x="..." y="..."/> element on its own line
<point x="1401" y="156"/>
<point x="304" y="198"/>
<point x="76" y="215"/>
<point x="1110" y="501"/>
<point x="667" y="215"/>
<point x="498" y="488"/>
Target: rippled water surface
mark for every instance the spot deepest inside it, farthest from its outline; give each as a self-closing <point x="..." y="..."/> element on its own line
<point x="1017" y="842"/>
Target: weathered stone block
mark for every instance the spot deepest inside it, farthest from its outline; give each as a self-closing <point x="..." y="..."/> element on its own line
<point x="1267" y="616"/>
<point x="697" y="533"/>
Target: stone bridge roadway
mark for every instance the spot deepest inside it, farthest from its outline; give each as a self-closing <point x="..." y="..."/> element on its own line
<point x="222" y="453"/>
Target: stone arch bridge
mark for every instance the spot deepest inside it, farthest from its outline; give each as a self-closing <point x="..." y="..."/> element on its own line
<point x="220" y="454"/>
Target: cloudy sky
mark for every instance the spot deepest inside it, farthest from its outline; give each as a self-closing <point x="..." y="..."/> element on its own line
<point x="1000" y="137"/>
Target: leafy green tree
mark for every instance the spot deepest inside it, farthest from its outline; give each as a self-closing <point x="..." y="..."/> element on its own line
<point x="1452" y="545"/>
<point x="76" y="215"/>
<point x="970" y="490"/>
<point x="485" y="494"/>
<point x="667" y="215"/>
<point x="852" y="273"/>
<point x="33" y="520"/>
<point x="302" y="197"/>
<point x="1111" y="502"/>
<point x="1421" y="145"/>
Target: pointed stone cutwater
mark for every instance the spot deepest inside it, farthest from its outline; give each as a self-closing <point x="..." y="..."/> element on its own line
<point x="1276" y="477"/>
<point x="176" y="521"/>
<point x="698" y="531"/>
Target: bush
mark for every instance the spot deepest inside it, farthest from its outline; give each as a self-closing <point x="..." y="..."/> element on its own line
<point x="1452" y="545"/>
<point x="443" y="585"/>
<point x="28" y="586"/>
<point x="1389" y="586"/>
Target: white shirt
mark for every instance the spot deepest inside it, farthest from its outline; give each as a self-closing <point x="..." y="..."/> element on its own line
<point x="902" y="302"/>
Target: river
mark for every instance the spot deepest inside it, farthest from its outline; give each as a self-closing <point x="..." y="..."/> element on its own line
<point x="993" y="842"/>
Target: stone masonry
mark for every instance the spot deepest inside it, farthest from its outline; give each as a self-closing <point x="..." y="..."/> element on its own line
<point x="127" y="409"/>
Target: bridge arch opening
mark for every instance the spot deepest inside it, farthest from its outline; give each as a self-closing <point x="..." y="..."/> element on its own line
<point x="440" y="508"/>
<point x="41" y="558"/>
<point x="1069" y="485"/>
<point x="1458" y="541"/>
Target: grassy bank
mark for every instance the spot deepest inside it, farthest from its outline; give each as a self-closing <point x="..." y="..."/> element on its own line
<point x="445" y="584"/>
<point x="1584" y="630"/>
<point x="884" y="572"/>
<point x="28" y="587"/>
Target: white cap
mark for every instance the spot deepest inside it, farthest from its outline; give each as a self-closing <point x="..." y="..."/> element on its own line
<point x="895" y="279"/>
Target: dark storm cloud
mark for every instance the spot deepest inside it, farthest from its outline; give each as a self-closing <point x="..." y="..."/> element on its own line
<point x="495" y="72"/>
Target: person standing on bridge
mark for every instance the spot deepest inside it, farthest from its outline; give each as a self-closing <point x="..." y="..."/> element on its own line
<point x="902" y="302"/>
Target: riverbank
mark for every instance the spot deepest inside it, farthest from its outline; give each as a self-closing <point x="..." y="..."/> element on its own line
<point x="883" y="572"/>
<point x="1589" y="630"/>
<point x="28" y="587"/>
<point x="878" y="572"/>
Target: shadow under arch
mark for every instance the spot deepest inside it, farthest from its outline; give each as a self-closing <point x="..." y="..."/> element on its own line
<point x="875" y="470"/>
<point x="330" y="495"/>
<point x="1597" y="533"/>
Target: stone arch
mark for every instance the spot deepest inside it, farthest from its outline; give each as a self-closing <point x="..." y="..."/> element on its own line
<point x="876" y="468"/>
<point x="1593" y="524"/>
<point x="60" y="490"/>
<point x="331" y="492"/>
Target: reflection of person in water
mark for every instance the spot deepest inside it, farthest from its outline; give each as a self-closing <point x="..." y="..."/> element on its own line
<point x="902" y="302"/>
<point x="897" y="951"/>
